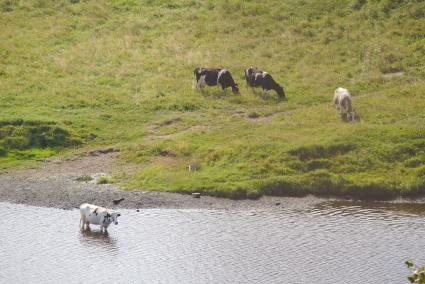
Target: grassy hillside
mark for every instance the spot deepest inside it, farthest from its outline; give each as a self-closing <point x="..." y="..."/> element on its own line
<point x="85" y="73"/>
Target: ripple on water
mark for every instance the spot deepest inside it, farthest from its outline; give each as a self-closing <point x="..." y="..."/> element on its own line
<point x="328" y="243"/>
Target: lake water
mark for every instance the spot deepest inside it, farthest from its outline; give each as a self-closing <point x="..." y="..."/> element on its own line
<point x="333" y="242"/>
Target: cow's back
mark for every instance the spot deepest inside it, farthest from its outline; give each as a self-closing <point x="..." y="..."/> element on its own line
<point x="211" y="76"/>
<point x="87" y="209"/>
<point x="342" y="99"/>
<point x="259" y="78"/>
<point x="340" y="95"/>
<point x="84" y="209"/>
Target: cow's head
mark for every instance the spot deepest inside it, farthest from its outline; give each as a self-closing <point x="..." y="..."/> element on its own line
<point x="235" y="89"/>
<point x="111" y="217"/>
<point x="250" y="70"/>
<point x="280" y="92"/>
<point x="351" y="116"/>
<point x="114" y="217"/>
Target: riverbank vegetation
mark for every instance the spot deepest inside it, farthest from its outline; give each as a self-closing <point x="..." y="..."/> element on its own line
<point x="417" y="273"/>
<point x="119" y="72"/>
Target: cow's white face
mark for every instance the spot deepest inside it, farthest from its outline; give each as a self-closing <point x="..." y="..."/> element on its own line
<point x="114" y="217"/>
<point x="111" y="218"/>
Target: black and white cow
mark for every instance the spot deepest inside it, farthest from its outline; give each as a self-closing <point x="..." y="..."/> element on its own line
<point x="92" y="214"/>
<point x="258" y="78"/>
<point x="214" y="77"/>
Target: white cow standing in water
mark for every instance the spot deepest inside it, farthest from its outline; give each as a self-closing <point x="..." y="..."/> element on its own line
<point x="92" y="214"/>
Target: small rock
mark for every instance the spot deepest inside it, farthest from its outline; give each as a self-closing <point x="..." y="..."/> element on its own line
<point x="196" y="194"/>
<point x="117" y="201"/>
<point x="194" y="167"/>
<point x="137" y="210"/>
<point x="103" y="151"/>
<point x="277" y="203"/>
<point x="393" y="74"/>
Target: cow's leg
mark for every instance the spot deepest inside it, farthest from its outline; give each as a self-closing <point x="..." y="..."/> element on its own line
<point x="223" y="89"/>
<point x="82" y="222"/>
<point x="200" y="84"/>
<point x="343" y="113"/>
<point x="340" y="108"/>
<point x="201" y="88"/>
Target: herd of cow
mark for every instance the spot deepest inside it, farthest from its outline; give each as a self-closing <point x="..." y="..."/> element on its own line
<point x="222" y="78"/>
<point x="256" y="78"/>
<point x="92" y="214"/>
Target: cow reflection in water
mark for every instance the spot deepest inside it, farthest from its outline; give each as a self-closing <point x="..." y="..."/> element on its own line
<point x="98" y="239"/>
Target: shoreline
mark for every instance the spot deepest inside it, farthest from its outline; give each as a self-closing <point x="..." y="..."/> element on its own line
<point x="54" y="185"/>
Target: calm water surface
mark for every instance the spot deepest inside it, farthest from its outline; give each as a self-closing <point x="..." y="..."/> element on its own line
<point x="335" y="242"/>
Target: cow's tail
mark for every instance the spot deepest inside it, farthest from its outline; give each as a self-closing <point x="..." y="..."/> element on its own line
<point x="195" y="80"/>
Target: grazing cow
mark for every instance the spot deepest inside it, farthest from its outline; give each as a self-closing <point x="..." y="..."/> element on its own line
<point x="342" y="101"/>
<point x="92" y="214"/>
<point x="213" y="77"/>
<point x="257" y="78"/>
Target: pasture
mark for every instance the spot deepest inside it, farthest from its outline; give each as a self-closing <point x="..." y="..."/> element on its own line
<point x="84" y="74"/>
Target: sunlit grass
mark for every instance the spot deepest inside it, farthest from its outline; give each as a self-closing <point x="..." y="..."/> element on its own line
<point x="121" y="71"/>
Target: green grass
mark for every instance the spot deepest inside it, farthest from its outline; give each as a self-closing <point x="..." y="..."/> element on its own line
<point x="119" y="72"/>
<point x="104" y="180"/>
<point x="84" y="178"/>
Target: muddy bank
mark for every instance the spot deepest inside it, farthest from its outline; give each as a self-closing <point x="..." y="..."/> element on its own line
<point x="55" y="184"/>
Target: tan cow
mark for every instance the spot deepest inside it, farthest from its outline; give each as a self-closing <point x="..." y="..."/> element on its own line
<point x="343" y="103"/>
